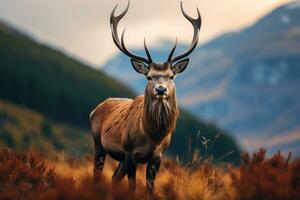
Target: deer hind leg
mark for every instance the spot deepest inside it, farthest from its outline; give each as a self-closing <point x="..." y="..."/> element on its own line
<point x="151" y="171"/>
<point x="100" y="155"/>
<point x="119" y="174"/>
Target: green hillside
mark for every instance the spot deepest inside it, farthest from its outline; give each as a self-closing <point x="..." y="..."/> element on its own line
<point x="22" y="128"/>
<point x="50" y="82"/>
<point x="65" y="91"/>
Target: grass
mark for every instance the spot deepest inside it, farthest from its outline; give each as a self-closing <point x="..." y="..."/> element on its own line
<point x="22" y="128"/>
<point x="29" y="175"/>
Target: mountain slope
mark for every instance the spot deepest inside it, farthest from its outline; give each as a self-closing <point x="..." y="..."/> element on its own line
<point x="65" y="91"/>
<point x="50" y="82"/>
<point x="22" y="128"/>
<point x="248" y="81"/>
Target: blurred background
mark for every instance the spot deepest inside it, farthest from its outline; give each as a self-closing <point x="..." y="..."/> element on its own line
<point x="240" y="91"/>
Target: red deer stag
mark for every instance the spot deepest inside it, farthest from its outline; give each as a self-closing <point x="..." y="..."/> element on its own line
<point x="139" y="130"/>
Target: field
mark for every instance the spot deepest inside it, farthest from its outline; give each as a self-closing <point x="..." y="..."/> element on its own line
<point x="30" y="175"/>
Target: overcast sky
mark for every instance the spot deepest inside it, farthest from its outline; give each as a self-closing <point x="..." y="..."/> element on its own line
<point x="81" y="27"/>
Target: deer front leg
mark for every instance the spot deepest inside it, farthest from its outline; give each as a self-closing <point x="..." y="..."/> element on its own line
<point x="151" y="171"/>
<point x="130" y="165"/>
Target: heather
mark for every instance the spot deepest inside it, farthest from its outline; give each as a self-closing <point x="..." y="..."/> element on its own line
<point x="30" y="175"/>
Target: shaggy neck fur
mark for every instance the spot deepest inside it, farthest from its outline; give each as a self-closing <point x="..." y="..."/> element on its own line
<point x="160" y="115"/>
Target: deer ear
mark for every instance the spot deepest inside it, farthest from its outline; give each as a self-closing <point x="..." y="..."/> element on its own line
<point x="139" y="66"/>
<point x="180" y="66"/>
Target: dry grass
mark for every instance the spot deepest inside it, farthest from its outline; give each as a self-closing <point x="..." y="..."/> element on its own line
<point x="274" y="178"/>
<point x="30" y="176"/>
<point x="173" y="180"/>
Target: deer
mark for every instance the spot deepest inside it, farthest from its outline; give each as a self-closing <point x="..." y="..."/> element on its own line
<point x="138" y="131"/>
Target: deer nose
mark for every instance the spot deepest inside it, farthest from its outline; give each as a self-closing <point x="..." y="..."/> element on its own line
<point x="161" y="90"/>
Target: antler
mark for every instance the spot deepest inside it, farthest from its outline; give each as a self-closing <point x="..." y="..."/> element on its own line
<point x="114" y="21"/>
<point x="197" y="25"/>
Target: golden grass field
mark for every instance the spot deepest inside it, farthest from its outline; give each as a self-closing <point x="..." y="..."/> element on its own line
<point x="173" y="181"/>
<point x="29" y="175"/>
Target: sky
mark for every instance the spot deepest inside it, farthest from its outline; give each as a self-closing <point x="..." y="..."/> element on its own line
<point x="81" y="28"/>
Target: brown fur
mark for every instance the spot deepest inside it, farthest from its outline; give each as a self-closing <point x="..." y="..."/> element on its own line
<point x="140" y="130"/>
<point x="124" y="120"/>
<point x="143" y="125"/>
<point x="137" y="130"/>
<point x="159" y="116"/>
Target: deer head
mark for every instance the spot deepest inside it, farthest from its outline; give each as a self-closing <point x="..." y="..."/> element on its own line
<point x="160" y="76"/>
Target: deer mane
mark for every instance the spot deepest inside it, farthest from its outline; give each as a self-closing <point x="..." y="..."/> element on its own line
<point x="159" y="117"/>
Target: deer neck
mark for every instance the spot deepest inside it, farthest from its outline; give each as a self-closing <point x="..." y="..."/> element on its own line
<point x="159" y="116"/>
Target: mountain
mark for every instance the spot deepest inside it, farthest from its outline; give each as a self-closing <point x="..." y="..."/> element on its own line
<point x="50" y="82"/>
<point x="43" y="88"/>
<point x="247" y="82"/>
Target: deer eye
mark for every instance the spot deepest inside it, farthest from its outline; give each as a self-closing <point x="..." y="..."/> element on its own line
<point x="149" y="78"/>
<point x="171" y="77"/>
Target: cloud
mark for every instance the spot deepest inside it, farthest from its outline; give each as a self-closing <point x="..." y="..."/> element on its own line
<point x="274" y="141"/>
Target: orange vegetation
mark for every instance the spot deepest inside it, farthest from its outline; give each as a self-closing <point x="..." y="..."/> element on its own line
<point x="31" y="176"/>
